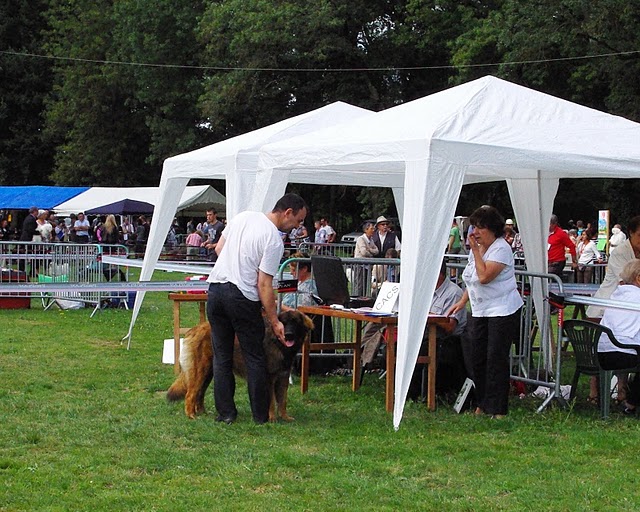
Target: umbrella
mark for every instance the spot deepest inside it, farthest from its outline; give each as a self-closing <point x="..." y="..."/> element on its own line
<point x="122" y="207"/>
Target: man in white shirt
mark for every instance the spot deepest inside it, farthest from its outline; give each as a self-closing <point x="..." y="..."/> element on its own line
<point x="81" y="228"/>
<point x="331" y="234"/>
<point x="249" y="253"/>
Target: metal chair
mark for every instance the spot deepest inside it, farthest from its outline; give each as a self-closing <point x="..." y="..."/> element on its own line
<point x="583" y="337"/>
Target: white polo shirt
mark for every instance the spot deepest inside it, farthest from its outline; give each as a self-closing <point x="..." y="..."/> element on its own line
<point x="252" y="243"/>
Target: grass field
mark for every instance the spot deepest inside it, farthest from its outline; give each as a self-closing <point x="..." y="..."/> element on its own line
<point x="85" y="426"/>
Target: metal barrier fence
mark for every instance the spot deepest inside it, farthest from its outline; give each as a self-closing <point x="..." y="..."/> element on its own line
<point x="63" y="263"/>
<point x="340" y="250"/>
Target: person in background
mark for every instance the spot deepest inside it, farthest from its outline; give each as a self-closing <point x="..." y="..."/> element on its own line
<point x="301" y="270"/>
<point x="557" y="242"/>
<point x="211" y="229"/>
<point x="5" y="234"/>
<point x="110" y="235"/>
<point x="73" y="237"/>
<point x="61" y="231"/>
<point x="365" y="248"/>
<point x="320" y="236"/>
<point x="299" y="235"/>
<point x="45" y="229"/>
<point x="194" y="243"/>
<point x="97" y="227"/>
<point x="625" y="326"/>
<point x="331" y="234"/>
<point x="455" y="242"/>
<point x="127" y="230"/>
<point x="495" y="310"/>
<point x="81" y="229"/>
<point x="382" y="273"/>
<point x="241" y="300"/>
<point x="30" y="225"/>
<point x="171" y="240"/>
<point x="573" y="235"/>
<point x="625" y="252"/>
<point x="617" y="237"/>
<point x="109" y="231"/>
<point x="587" y="253"/>
<point x="509" y="232"/>
<point x="385" y="239"/>
<point x="142" y="234"/>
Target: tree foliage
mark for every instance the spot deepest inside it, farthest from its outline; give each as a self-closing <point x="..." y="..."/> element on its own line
<point x="25" y="158"/>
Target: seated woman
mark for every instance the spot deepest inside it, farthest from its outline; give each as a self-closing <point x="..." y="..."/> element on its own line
<point x="626" y="328"/>
<point x="301" y="270"/>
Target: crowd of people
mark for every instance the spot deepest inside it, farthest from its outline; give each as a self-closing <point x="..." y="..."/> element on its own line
<point x="45" y="226"/>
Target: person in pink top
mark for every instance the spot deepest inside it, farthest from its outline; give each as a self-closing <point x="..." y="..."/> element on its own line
<point x="194" y="241"/>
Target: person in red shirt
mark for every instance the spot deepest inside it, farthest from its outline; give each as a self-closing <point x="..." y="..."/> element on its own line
<point x="558" y="240"/>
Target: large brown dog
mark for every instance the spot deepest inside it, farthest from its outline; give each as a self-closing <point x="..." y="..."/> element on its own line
<point x="196" y="364"/>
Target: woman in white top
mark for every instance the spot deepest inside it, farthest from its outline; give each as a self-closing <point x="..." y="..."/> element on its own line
<point x="495" y="310"/>
<point x="587" y="253"/>
<point x="626" y="328"/>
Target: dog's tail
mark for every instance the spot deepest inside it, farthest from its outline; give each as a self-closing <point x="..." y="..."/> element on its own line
<point x="178" y="389"/>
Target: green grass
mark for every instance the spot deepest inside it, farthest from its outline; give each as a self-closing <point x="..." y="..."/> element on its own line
<point x="85" y="426"/>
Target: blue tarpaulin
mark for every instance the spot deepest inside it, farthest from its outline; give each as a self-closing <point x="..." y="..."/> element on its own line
<point x="23" y="198"/>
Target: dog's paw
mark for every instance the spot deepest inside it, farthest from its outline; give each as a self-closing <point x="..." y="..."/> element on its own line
<point x="286" y="417"/>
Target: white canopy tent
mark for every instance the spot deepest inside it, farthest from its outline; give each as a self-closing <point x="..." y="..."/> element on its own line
<point x="484" y="130"/>
<point x="236" y="161"/>
<point x="190" y="198"/>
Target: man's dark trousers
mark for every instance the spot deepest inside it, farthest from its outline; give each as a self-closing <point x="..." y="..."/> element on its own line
<point x="231" y="314"/>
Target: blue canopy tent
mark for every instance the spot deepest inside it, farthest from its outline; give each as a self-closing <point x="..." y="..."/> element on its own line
<point x="23" y="198"/>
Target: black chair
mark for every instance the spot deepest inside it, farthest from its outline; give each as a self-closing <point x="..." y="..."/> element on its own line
<point x="583" y="337"/>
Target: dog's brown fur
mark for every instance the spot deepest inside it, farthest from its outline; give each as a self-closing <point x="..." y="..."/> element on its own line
<point x="196" y="364"/>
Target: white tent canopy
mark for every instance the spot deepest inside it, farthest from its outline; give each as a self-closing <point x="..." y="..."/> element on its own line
<point x="484" y="130"/>
<point x="99" y="196"/>
<point x="236" y="161"/>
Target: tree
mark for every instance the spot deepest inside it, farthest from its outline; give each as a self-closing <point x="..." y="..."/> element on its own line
<point x="162" y="32"/>
<point x="100" y="137"/>
<point x="25" y="157"/>
<point x="114" y="124"/>
<point x="560" y="29"/>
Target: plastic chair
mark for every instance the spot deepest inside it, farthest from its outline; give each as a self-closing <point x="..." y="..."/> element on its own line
<point x="48" y="298"/>
<point x="583" y="337"/>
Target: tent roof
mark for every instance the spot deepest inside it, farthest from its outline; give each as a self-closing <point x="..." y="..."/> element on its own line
<point x="23" y="198"/>
<point x="99" y="196"/>
<point x="122" y="207"/>
<point x="221" y="158"/>
<point x="528" y="131"/>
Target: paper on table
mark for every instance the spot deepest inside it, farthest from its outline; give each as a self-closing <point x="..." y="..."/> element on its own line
<point x="371" y="312"/>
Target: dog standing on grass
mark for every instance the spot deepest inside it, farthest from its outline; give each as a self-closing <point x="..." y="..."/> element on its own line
<point x="196" y="364"/>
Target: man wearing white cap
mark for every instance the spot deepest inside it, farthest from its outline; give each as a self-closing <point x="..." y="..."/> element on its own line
<point x="512" y="237"/>
<point x="383" y="238"/>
